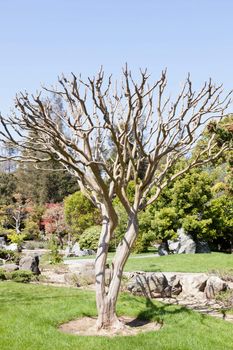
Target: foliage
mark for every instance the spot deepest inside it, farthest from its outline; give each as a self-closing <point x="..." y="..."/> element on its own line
<point x="2" y="275"/>
<point x="9" y="255"/>
<point x="90" y="238"/>
<point x="164" y="223"/>
<point x="17" y="238"/>
<point x="22" y="276"/>
<point x="31" y="229"/>
<point x="55" y="256"/>
<point x="221" y="211"/>
<point x="80" y="213"/>
<point x="184" y="204"/>
<point x="32" y="222"/>
<point x="7" y="188"/>
<point x="54" y="219"/>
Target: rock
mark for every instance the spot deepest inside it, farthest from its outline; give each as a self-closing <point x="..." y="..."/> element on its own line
<point x="187" y="244"/>
<point x="202" y="247"/>
<point x="153" y="285"/>
<point x="174" y="246"/>
<point x="76" y="249"/>
<point x="184" y="244"/>
<point x="2" y="243"/>
<point x="162" y="249"/>
<point x="89" y="251"/>
<point x="13" y="247"/>
<point x="159" y="286"/>
<point x="10" y="267"/>
<point x="193" y="285"/>
<point x="214" y="285"/>
<point x="67" y="251"/>
<point x="176" y="287"/>
<point x="30" y="263"/>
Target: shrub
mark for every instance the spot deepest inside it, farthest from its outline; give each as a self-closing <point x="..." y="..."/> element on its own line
<point x="226" y="298"/>
<point x="90" y="238"/>
<point x="9" y="255"/>
<point x="23" y="276"/>
<point x="55" y="256"/>
<point x="2" y="275"/>
<point x="17" y="238"/>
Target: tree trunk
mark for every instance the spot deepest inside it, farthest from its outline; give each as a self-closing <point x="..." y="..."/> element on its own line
<point x="106" y="301"/>
<point x="109" y="223"/>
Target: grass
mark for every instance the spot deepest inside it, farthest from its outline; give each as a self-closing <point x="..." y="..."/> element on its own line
<point x="178" y="262"/>
<point x="183" y="263"/>
<point x="30" y="314"/>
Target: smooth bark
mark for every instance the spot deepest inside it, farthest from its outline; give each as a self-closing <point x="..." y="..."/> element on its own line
<point x="106" y="299"/>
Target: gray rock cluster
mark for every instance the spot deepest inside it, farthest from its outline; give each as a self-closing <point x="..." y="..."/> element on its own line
<point x="13" y="246"/>
<point x="77" y="251"/>
<point x="29" y="263"/>
<point x="184" y="244"/>
<point x="167" y="285"/>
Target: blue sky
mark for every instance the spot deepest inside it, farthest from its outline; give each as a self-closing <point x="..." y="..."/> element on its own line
<point x="41" y="39"/>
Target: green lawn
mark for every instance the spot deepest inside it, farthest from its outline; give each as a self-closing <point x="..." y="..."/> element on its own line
<point x="29" y="315"/>
<point x="178" y="262"/>
<point x="183" y="263"/>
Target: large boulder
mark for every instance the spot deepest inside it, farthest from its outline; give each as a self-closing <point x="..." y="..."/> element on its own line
<point x="30" y="263"/>
<point x="176" y="286"/>
<point x="162" y="249"/>
<point x="174" y="246"/>
<point x="193" y="284"/>
<point x="214" y="285"/>
<point x="184" y="244"/>
<point x="75" y="250"/>
<point x="187" y="244"/>
<point x="152" y="285"/>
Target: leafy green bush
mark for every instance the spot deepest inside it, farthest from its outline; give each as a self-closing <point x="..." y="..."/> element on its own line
<point x="23" y="276"/>
<point x="2" y="275"/>
<point x="80" y="213"/>
<point x="31" y="229"/>
<point x="55" y="256"/>
<point x="17" y="238"/>
<point x="9" y="255"/>
<point x="90" y="237"/>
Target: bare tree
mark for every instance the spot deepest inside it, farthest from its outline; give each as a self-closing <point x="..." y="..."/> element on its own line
<point x="144" y="127"/>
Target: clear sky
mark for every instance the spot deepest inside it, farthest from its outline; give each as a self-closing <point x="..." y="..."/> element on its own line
<point x="41" y="39"/>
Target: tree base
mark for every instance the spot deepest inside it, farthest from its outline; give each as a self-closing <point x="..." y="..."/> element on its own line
<point x="87" y="326"/>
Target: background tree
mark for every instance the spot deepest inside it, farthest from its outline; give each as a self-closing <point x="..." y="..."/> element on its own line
<point x="54" y="221"/>
<point x="80" y="213"/>
<point x="97" y="110"/>
<point x="7" y="188"/>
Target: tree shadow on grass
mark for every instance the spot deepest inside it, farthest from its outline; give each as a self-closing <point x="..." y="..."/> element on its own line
<point x="156" y="313"/>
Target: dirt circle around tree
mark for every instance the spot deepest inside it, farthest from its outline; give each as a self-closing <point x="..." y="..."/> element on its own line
<point x="86" y="326"/>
